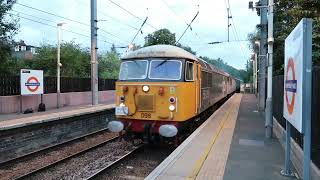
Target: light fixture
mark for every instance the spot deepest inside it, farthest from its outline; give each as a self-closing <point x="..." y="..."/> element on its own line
<point x="145" y="88"/>
<point x="172" y="108"/>
<point x="172" y="100"/>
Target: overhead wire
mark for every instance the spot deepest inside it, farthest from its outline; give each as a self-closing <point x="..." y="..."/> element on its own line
<point x="182" y="19"/>
<point x="140" y="29"/>
<point x="127" y="11"/>
<point x="63" y="29"/>
<point x="71" y="20"/>
<point x="111" y="17"/>
<point x="187" y="27"/>
<point x="46" y="12"/>
<point x="48" y="20"/>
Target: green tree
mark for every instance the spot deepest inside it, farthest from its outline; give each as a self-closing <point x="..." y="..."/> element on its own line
<point x="220" y="64"/>
<point x="287" y="15"/>
<point x="109" y="64"/>
<point x="8" y="28"/>
<point x="162" y="36"/>
<point x="74" y="59"/>
<point x="187" y="48"/>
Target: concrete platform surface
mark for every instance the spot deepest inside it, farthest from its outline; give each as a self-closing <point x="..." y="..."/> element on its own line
<point x="251" y="155"/>
<point x="230" y="145"/>
<point x="10" y="121"/>
<point x="210" y="141"/>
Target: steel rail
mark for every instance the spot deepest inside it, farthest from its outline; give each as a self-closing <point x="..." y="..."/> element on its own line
<point x="52" y="147"/>
<point x="109" y="166"/>
<point x="66" y="158"/>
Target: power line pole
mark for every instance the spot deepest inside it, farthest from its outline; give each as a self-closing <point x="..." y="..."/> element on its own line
<point x="58" y="62"/>
<point x="229" y="17"/>
<point x="269" y="117"/>
<point x="262" y="55"/>
<point x="94" y="57"/>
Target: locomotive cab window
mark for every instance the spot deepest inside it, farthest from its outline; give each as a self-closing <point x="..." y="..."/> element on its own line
<point x="133" y="70"/>
<point x="189" y="71"/>
<point x="165" y="69"/>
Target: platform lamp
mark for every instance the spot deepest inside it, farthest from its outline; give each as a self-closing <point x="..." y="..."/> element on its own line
<point x="59" y="25"/>
<point x="257" y="44"/>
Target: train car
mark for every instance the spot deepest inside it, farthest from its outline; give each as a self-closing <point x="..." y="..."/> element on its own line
<point x="161" y="89"/>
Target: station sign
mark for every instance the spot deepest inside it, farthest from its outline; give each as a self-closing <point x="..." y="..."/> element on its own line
<point x="297" y="65"/>
<point x="31" y="81"/>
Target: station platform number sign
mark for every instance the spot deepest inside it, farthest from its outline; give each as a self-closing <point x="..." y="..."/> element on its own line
<point x="31" y="81"/>
<point x="295" y="79"/>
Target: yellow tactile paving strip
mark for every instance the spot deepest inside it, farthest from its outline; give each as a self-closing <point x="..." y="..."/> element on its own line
<point x="214" y="166"/>
<point x="204" y="154"/>
<point x="20" y="122"/>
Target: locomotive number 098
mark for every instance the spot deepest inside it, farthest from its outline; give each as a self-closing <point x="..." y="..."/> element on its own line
<point x="146" y="115"/>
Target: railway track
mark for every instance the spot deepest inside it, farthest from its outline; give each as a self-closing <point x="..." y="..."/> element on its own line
<point x="20" y="167"/>
<point x="88" y="163"/>
<point x="114" y="163"/>
<point x="30" y="174"/>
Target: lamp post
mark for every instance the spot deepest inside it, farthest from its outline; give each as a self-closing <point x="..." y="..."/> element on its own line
<point x="58" y="63"/>
<point x="254" y="71"/>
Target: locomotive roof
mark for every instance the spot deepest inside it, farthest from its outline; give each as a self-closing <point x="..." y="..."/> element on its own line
<point x="167" y="51"/>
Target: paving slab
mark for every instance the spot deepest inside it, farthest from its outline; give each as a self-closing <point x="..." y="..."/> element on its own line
<point x="251" y="155"/>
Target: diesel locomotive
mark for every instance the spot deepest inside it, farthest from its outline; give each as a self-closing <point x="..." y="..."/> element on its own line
<point x="162" y="88"/>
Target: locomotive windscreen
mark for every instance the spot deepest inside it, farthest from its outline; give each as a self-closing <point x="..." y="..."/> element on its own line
<point x="133" y="70"/>
<point x="165" y="69"/>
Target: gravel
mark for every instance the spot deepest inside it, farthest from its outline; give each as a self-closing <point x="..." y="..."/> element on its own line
<point x="27" y="164"/>
<point x="85" y="165"/>
<point x="138" y="166"/>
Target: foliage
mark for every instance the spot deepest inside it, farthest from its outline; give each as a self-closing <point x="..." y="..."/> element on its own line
<point x="74" y="60"/>
<point x="287" y="15"/>
<point x="220" y="64"/>
<point x="187" y="48"/>
<point x="162" y="36"/>
<point x="109" y="65"/>
<point x="8" y="28"/>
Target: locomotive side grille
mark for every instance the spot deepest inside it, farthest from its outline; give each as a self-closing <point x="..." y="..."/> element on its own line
<point x="145" y="103"/>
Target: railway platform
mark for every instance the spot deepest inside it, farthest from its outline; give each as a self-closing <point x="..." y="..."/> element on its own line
<point x="230" y="145"/>
<point x="10" y="121"/>
<point x="22" y="134"/>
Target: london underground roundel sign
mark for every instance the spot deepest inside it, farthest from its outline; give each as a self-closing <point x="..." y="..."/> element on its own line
<point x="32" y="84"/>
<point x="290" y="86"/>
<point x="31" y="81"/>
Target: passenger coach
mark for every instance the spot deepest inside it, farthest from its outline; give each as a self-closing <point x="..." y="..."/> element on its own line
<point x="161" y="89"/>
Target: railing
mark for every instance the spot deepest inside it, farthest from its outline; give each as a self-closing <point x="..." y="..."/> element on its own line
<point x="315" y="121"/>
<point x="10" y="85"/>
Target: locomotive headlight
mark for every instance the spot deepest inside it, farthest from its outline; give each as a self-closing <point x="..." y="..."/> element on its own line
<point x="172" y="108"/>
<point x="145" y="88"/>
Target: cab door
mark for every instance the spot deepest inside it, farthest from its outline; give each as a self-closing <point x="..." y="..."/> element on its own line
<point x="191" y="76"/>
<point x="198" y="87"/>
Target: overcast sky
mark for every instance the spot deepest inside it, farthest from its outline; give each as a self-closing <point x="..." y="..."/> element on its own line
<point x="118" y="27"/>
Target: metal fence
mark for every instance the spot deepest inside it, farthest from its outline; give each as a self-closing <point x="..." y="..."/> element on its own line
<point x="10" y="85"/>
<point x="315" y="122"/>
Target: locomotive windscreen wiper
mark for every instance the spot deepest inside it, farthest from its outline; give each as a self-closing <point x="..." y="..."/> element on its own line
<point x="161" y="63"/>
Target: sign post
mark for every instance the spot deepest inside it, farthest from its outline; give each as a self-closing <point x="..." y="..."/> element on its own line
<point x="31" y="82"/>
<point x="297" y="90"/>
